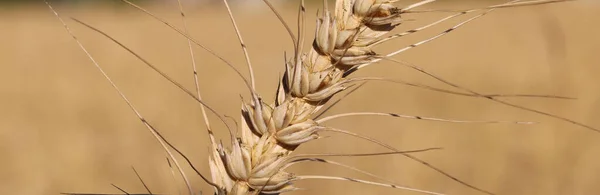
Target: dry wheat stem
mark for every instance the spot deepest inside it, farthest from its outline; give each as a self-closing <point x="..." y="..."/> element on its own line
<point x="193" y="60"/>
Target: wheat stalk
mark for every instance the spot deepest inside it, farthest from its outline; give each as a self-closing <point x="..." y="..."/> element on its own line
<point x="258" y="158"/>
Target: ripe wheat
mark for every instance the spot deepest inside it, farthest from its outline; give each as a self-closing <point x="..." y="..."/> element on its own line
<point x="344" y="42"/>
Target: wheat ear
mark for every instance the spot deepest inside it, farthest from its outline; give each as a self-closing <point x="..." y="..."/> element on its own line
<point x="257" y="160"/>
<point x="270" y="132"/>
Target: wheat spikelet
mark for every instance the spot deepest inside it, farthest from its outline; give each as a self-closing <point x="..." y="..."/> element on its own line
<point x="344" y="42"/>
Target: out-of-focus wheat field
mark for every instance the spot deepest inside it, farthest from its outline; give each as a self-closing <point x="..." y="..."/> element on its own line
<point x="64" y="129"/>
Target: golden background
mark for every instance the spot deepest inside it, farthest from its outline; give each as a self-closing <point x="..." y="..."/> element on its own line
<point x="64" y="129"/>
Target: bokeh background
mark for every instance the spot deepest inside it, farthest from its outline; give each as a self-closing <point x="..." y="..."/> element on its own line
<point x="64" y="129"/>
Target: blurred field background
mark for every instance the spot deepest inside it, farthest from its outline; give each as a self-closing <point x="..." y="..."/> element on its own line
<point x="64" y="129"/>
